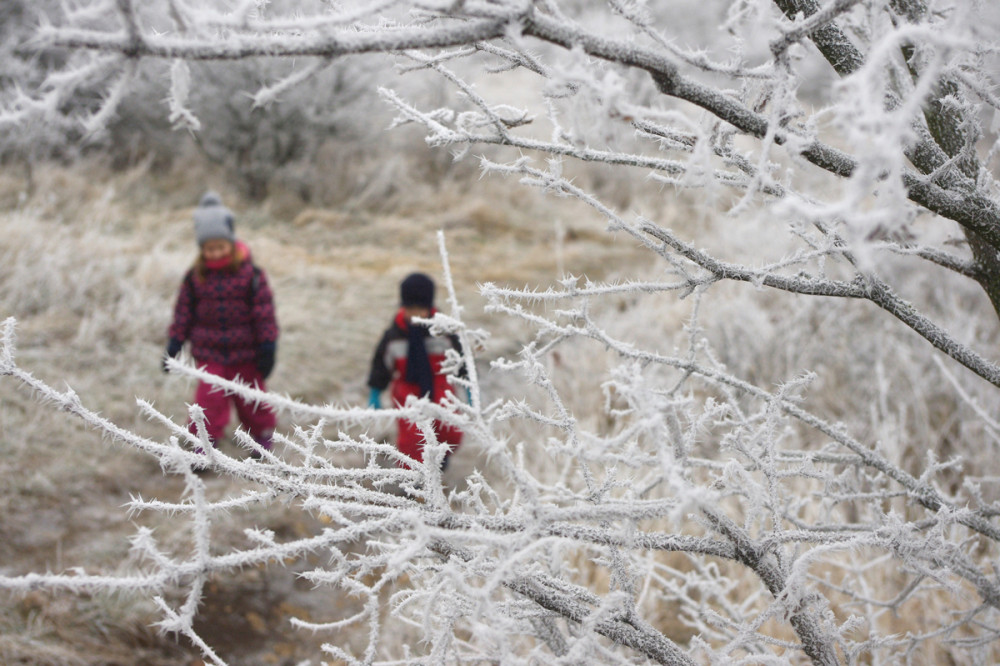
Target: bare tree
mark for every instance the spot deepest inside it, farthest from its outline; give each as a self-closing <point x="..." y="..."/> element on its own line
<point x="851" y="135"/>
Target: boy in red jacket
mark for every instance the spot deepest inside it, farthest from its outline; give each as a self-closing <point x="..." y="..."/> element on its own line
<point x="409" y="358"/>
<point x="225" y="309"/>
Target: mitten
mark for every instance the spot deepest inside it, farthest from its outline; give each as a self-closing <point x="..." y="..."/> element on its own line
<point x="173" y="349"/>
<point x="265" y="358"/>
<point x="375" y="399"/>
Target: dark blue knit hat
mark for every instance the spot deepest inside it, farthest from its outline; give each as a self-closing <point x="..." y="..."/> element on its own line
<point x="417" y="290"/>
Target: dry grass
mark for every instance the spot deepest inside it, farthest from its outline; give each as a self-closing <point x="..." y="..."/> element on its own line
<point x="89" y="266"/>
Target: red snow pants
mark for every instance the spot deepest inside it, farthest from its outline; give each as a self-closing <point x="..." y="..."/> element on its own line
<point x="257" y="419"/>
<point x="410" y="440"/>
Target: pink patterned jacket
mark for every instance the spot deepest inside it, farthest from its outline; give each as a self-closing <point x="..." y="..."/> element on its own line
<point x="228" y="315"/>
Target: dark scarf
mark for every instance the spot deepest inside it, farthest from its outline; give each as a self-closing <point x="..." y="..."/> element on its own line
<point x="418" y="365"/>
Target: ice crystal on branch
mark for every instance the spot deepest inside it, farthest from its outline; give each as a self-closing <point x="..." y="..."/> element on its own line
<point x="711" y="493"/>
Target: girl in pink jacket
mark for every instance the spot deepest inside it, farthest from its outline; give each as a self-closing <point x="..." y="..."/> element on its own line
<point x="225" y="310"/>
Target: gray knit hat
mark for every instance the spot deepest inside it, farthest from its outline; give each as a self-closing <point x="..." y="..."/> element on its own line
<point x="212" y="219"/>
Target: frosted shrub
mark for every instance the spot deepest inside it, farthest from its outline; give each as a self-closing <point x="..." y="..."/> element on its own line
<point x="802" y="471"/>
<point x="667" y="482"/>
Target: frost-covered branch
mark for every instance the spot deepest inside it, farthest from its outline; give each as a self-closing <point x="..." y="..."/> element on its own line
<point x="862" y="287"/>
<point x="673" y="464"/>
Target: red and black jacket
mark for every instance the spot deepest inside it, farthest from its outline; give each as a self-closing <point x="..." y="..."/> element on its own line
<point x="389" y="361"/>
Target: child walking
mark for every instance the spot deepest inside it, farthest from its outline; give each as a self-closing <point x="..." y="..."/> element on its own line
<point x="409" y="358"/>
<point x="225" y="309"/>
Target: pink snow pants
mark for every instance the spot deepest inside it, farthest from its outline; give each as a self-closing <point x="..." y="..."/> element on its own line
<point x="258" y="420"/>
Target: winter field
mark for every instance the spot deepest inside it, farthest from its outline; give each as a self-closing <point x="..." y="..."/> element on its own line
<point x="728" y="275"/>
<point x="90" y="264"/>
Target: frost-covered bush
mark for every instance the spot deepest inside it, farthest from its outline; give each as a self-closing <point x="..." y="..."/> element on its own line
<point x="777" y="447"/>
<point x="164" y="111"/>
<point x="623" y="483"/>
